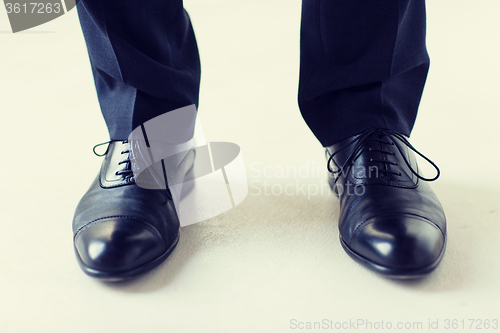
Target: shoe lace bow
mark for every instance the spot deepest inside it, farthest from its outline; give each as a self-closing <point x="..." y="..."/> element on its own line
<point x="126" y="172"/>
<point x="360" y="146"/>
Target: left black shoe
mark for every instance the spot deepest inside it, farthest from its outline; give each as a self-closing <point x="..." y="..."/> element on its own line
<point x="126" y="225"/>
<point x="390" y="219"/>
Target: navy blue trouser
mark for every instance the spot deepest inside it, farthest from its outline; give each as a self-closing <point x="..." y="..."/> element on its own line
<point x="363" y="63"/>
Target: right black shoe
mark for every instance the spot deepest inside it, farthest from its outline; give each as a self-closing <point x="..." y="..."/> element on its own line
<point x="390" y="219"/>
<point x="121" y="229"/>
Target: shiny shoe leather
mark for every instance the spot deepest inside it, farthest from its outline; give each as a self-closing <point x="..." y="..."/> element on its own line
<point x="390" y="219"/>
<point x="121" y="229"/>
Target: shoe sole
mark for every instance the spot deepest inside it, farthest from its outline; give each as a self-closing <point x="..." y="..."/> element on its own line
<point x="393" y="273"/>
<point x="129" y="274"/>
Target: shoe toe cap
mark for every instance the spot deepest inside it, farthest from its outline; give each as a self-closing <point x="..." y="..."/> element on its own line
<point x="118" y="244"/>
<point x="401" y="242"/>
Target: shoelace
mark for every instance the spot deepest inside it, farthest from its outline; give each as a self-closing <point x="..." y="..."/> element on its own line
<point x="127" y="171"/>
<point x="359" y="148"/>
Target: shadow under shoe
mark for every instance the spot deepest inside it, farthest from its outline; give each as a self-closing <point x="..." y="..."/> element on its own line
<point x="390" y="220"/>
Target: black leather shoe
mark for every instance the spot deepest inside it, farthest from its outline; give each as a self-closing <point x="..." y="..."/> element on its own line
<point x="121" y="229"/>
<point x="390" y="219"/>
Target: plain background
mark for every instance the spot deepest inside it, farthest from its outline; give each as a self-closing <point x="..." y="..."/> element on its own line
<point x="276" y="256"/>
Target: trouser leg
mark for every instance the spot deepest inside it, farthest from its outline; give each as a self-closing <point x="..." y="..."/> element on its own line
<point x="144" y="58"/>
<point x="363" y="64"/>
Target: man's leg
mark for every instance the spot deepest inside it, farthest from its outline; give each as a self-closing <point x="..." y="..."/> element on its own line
<point x="363" y="68"/>
<point x="363" y="64"/>
<point x="145" y="63"/>
<point x="144" y="59"/>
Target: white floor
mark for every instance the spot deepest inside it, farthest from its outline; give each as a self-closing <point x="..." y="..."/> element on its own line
<point x="275" y="258"/>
